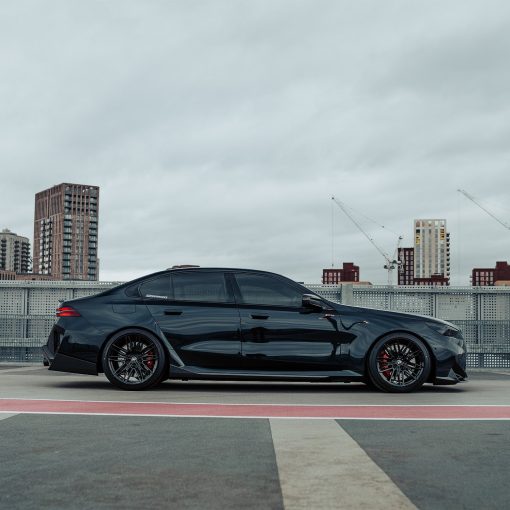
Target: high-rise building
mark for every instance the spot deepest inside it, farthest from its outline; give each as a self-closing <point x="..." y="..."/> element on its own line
<point x="65" y="232"/>
<point x="431" y="249"/>
<point x="482" y="277"/>
<point x="406" y="266"/>
<point x="14" y="252"/>
<point x="348" y="273"/>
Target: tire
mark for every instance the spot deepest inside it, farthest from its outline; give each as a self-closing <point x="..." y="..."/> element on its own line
<point x="134" y="360"/>
<point x="399" y="363"/>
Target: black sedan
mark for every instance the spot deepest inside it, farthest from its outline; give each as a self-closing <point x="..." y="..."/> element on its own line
<point x="239" y="324"/>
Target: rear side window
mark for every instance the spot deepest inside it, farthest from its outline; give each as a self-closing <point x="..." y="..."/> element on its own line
<point x="200" y="286"/>
<point x="158" y="288"/>
<point x="258" y="289"/>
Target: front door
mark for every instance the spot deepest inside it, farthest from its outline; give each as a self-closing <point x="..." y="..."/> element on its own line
<point x="278" y="334"/>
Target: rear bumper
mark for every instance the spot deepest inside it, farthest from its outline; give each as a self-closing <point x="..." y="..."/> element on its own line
<point x="63" y="362"/>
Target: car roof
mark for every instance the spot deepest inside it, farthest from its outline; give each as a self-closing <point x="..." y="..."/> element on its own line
<point x="201" y="269"/>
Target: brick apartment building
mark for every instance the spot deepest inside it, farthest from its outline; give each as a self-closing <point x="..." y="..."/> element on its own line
<point x="65" y="232"/>
<point x="483" y="277"/>
<point x="348" y="273"/>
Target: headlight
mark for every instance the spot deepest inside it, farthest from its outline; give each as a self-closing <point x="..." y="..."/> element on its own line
<point x="445" y="329"/>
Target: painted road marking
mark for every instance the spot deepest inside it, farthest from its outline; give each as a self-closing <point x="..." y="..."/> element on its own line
<point x="20" y="369"/>
<point x="345" y="412"/>
<point x="4" y="416"/>
<point x="321" y="466"/>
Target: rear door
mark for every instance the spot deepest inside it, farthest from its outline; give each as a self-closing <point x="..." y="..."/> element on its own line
<point x="198" y="316"/>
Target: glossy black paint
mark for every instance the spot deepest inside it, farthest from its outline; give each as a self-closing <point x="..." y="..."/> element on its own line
<point x="237" y="340"/>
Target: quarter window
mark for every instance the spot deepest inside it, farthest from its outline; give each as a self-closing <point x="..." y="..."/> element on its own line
<point x="265" y="290"/>
<point x="158" y="288"/>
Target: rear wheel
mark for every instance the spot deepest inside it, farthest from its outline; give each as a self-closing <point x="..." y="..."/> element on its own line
<point x="399" y="363"/>
<point x="134" y="360"/>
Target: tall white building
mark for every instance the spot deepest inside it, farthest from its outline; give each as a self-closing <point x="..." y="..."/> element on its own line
<point x="431" y="248"/>
<point x="14" y="252"/>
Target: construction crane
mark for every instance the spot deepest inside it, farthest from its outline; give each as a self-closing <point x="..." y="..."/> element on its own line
<point x="391" y="263"/>
<point x="492" y="215"/>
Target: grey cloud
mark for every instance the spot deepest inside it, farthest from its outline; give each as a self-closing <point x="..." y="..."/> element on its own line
<point x="219" y="130"/>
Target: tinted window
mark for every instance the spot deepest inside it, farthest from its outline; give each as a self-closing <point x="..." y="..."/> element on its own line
<point x="265" y="290"/>
<point x="199" y="286"/>
<point x="132" y="290"/>
<point x="159" y="288"/>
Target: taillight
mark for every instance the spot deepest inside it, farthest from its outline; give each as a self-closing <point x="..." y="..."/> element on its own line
<point x="67" y="311"/>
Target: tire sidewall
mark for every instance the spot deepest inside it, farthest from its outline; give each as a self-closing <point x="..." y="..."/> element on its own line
<point x="159" y="372"/>
<point x="378" y="381"/>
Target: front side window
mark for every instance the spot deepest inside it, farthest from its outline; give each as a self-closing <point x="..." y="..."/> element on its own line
<point x="259" y="289"/>
<point x="200" y="286"/>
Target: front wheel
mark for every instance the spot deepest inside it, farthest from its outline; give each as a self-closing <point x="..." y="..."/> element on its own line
<point x="399" y="363"/>
<point x="134" y="360"/>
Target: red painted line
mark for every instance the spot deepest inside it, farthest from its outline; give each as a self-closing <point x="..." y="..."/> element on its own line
<point x="411" y="412"/>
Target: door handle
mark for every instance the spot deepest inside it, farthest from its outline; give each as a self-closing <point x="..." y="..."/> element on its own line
<point x="259" y="317"/>
<point x="173" y="312"/>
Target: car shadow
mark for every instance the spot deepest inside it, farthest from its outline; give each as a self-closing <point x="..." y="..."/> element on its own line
<point x="235" y="387"/>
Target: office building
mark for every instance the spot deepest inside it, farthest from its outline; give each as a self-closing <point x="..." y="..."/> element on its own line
<point x="484" y="277"/>
<point x="66" y="232"/>
<point x="348" y="274"/>
<point x="14" y="252"/>
<point x="431" y="250"/>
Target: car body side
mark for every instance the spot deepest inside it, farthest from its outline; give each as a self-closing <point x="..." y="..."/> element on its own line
<point x="75" y="344"/>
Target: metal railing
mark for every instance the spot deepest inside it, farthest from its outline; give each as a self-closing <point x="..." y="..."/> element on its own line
<point x="27" y="313"/>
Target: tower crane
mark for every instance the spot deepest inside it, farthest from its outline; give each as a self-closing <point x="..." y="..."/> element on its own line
<point x="492" y="215"/>
<point x="391" y="263"/>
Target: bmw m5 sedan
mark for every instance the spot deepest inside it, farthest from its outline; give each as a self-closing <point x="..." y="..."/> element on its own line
<point x="241" y="324"/>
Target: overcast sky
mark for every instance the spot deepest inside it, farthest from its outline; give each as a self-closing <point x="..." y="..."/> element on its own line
<point x="219" y="130"/>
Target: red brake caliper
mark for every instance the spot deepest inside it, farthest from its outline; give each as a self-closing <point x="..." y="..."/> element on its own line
<point x="150" y="360"/>
<point x="386" y="371"/>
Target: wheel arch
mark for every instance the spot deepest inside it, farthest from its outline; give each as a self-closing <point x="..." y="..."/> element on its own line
<point x="433" y="360"/>
<point x="136" y="328"/>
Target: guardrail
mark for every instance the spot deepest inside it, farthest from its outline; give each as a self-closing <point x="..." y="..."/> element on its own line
<point x="483" y="313"/>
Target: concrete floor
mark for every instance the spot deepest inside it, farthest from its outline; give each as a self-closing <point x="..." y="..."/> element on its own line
<point x="74" y="461"/>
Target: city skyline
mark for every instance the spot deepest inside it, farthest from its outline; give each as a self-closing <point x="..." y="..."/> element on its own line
<point x="227" y="154"/>
<point x="440" y="226"/>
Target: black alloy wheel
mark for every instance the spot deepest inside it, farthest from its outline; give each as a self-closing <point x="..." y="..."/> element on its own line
<point x="399" y="363"/>
<point x="134" y="360"/>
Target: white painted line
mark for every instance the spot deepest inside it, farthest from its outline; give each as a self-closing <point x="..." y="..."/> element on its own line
<point x="4" y="416"/>
<point x="244" y="417"/>
<point x="20" y="369"/>
<point x="258" y="404"/>
<point x="321" y="466"/>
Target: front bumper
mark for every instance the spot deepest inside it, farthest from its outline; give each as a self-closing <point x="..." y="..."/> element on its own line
<point x="456" y="373"/>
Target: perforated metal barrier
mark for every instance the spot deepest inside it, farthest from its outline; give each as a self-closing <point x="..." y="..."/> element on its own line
<point x="482" y="313"/>
<point x="27" y="313"/>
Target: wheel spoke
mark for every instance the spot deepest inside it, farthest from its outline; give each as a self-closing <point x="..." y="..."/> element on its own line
<point x="121" y="369"/>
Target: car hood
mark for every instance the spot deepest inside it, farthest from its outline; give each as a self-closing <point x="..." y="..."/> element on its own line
<point x="390" y="314"/>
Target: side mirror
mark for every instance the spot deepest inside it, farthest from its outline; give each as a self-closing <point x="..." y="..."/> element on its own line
<point x="312" y="302"/>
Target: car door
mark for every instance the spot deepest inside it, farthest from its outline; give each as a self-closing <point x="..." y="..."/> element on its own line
<point x="278" y="334"/>
<point x="197" y="313"/>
